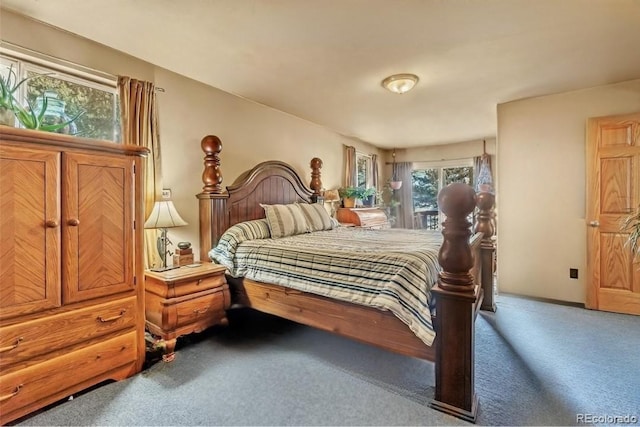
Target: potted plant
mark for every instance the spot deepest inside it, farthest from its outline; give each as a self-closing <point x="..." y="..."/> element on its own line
<point x="39" y="118"/>
<point x="367" y="195"/>
<point x="349" y="196"/>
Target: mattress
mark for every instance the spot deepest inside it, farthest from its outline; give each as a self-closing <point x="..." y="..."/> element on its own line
<point x="392" y="269"/>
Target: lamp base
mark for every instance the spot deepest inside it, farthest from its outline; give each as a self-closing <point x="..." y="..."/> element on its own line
<point x="161" y="269"/>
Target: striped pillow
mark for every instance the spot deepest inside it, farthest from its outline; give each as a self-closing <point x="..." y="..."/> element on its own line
<point x="317" y="216"/>
<point x="285" y="220"/>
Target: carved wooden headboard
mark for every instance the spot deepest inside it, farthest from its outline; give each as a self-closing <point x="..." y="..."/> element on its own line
<point x="271" y="182"/>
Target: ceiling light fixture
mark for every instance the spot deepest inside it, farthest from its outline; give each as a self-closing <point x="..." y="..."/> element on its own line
<point x="400" y="83"/>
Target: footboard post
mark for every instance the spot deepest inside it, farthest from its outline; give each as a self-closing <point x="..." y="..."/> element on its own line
<point x="456" y="297"/>
<point x="486" y="224"/>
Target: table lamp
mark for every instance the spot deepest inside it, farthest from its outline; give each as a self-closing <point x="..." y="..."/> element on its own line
<point x="163" y="216"/>
<point x="331" y="196"/>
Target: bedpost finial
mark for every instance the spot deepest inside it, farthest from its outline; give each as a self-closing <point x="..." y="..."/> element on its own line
<point x="456" y="201"/>
<point x="211" y="144"/>
<point x="211" y="176"/>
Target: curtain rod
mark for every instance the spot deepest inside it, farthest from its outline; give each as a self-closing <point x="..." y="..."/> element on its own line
<point x="434" y="160"/>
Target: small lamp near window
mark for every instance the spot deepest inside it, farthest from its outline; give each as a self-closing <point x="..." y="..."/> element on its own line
<point x="331" y="196"/>
<point x="163" y="216"/>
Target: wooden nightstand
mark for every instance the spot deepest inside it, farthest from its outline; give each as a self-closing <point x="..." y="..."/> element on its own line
<point x="372" y="218"/>
<point x="185" y="300"/>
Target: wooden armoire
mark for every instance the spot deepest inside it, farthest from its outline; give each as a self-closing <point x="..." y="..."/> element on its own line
<point x="71" y="270"/>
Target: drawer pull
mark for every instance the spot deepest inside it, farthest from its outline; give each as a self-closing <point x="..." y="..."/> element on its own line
<point x="112" y="319"/>
<point x="51" y="223"/>
<point x="10" y="395"/>
<point x="204" y="310"/>
<point x="199" y="281"/>
<point x="74" y="222"/>
<point x="11" y="347"/>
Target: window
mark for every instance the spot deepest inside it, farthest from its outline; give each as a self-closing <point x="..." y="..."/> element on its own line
<point x="426" y="183"/>
<point x="86" y="94"/>
<point x="363" y="170"/>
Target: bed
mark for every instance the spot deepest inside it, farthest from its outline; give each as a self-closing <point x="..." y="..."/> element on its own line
<point x="464" y="263"/>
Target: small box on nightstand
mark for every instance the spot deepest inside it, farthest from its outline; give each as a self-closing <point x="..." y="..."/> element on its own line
<point x="182" y="259"/>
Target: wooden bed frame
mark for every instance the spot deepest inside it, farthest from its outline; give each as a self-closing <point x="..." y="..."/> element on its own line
<point x="465" y="282"/>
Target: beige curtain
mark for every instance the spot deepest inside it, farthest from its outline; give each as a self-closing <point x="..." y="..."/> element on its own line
<point x="375" y="176"/>
<point x="350" y="177"/>
<point x="402" y="172"/>
<point x="139" y="124"/>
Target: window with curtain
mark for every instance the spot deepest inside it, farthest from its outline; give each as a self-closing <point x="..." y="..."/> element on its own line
<point x="92" y="95"/>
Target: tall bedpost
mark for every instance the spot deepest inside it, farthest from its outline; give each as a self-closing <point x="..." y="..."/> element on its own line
<point x="486" y="225"/>
<point x="214" y="218"/>
<point x="456" y="298"/>
<point x="316" y="182"/>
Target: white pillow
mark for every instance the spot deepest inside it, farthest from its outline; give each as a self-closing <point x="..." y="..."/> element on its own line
<point x="317" y="216"/>
<point x="285" y="220"/>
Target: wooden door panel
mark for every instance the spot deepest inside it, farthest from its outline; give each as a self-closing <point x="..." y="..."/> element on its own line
<point x="615" y="193"/>
<point x="613" y="177"/>
<point x="616" y="262"/>
<point x="30" y="251"/>
<point x="97" y="252"/>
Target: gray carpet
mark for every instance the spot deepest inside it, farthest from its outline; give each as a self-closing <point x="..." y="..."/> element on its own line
<point x="536" y="364"/>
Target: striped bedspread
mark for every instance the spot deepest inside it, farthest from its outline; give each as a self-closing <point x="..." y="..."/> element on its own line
<point x="390" y="269"/>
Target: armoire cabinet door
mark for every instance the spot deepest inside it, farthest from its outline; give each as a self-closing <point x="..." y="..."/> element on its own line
<point x="97" y="226"/>
<point x="30" y="230"/>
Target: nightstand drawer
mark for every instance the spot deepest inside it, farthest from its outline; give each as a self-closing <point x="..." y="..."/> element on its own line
<point x="211" y="306"/>
<point x="185" y="280"/>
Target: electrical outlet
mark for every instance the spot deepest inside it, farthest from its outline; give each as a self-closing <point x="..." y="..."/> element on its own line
<point x="166" y="193"/>
<point x="573" y="273"/>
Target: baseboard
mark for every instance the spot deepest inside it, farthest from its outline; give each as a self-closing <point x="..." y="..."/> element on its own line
<point x="547" y="300"/>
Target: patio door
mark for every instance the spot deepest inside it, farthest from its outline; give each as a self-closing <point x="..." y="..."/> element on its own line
<point x="613" y="192"/>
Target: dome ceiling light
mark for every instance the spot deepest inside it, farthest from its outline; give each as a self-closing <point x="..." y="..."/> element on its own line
<point x="400" y="83"/>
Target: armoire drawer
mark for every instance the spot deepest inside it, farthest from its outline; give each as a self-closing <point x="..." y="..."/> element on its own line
<point x="49" y="380"/>
<point x="28" y="339"/>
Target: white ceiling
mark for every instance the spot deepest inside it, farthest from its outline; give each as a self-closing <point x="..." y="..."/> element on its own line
<point x="323" y="60"/>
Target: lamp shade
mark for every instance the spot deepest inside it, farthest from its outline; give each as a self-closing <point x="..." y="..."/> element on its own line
<point x="331" y="196"/>
<point x="164" y="215"/>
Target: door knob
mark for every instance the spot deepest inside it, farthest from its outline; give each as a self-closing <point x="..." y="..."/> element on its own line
<point x="594" y="224"/>
<point x="74" y="222"/>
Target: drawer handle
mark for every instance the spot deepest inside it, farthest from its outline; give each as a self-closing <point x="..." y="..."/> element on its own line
<point x="204" y="310"/>
<point x="74" y="222"/>
<point x="51" y="223"/>
<point x="10" y="395"/>
<point x="199" y="281"/>
<point x="112" y="319"/>
<point x="11" y="347"/>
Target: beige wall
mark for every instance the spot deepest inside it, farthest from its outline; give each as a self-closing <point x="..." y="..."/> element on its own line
<point x="251" y="133"/>
<point x="541" y="188"/>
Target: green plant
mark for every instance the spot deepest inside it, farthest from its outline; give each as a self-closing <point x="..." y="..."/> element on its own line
<point x="349" y="192"/>
<point x="8" y="86"/>
<point x="356" y="192"/>
<point x="632" y="225"/>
